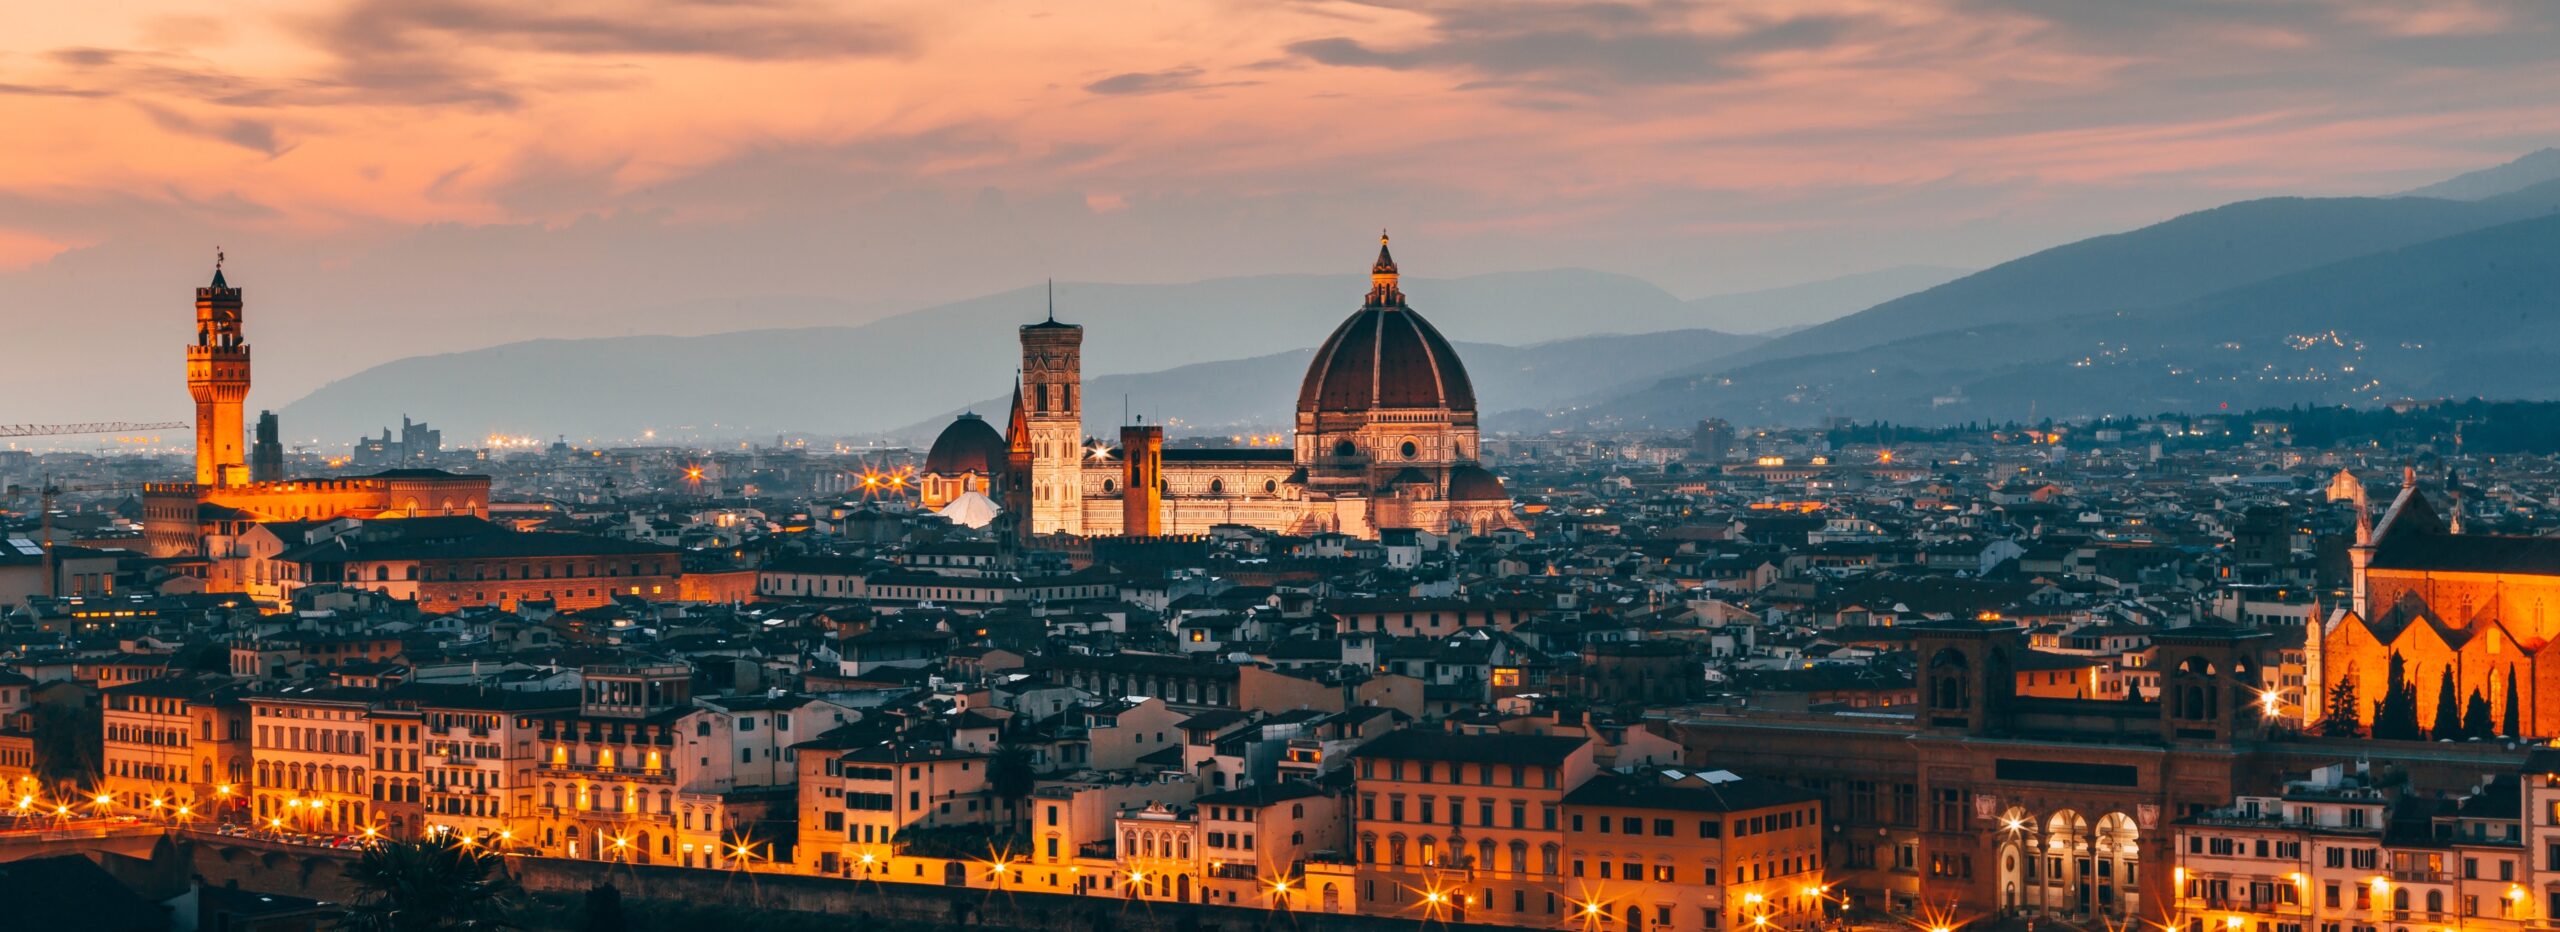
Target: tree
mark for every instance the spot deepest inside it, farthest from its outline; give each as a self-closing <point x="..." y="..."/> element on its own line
<point x="2507" y="725"/>
<point x="604" y="911"/>
<point x="2395" y="717"/>
<point x="2475" y="717"/>
<point x="1010" y="773"/>
<point x="415" y="886"/>
<point x="2340" y="719"/>
<point x="68" y="744"/>
<point x="2448" y="721"/>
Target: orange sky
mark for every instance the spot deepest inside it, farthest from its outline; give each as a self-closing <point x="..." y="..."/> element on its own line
<point x="963" y="147"/>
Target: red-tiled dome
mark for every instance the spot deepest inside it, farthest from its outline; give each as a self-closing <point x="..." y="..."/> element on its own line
<point x="969" y="445"/>
<point x="1386" y="357"/>
<point x="1471" y="483"/>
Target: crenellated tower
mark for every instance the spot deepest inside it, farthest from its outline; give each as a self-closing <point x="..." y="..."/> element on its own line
<point x="1053" y="420"/>
<point x="218" y="377"/>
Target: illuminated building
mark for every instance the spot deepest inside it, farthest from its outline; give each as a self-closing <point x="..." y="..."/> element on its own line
<point x="309" y="761"/>
<point x="1985" y="798"/>
<point x="2484" y="607"/>
<point x="858" y="801"/>
<point x="2343" y="850"/>
<point x="638" y="772"/>
<point x="1465" y="828"/>
<point x="447" y="563"/>
<point x="206" y="516"/>
<point x="477" y="753"/>
<point x="177" y="740"/>
<point x="1674" y="850"/>
<point x="1386" y="438"/>
<point x="218" y="378"/>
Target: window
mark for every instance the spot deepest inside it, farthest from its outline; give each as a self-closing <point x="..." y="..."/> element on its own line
<point x="1947" y="812"/>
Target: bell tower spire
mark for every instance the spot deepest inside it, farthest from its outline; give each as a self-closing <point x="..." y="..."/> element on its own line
<point x="218" y="378"/>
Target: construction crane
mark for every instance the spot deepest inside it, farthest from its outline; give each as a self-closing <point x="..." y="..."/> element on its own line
<point x="44" y="508"/>
<point x="91" y="427"/>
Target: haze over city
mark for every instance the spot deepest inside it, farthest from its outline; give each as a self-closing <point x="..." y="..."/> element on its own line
<point x="394" y="179"/>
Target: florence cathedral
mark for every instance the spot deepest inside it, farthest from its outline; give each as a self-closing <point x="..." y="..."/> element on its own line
<point x="1385" y="437"/>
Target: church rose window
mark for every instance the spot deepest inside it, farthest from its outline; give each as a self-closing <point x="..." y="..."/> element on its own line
<point x="1410" y="449"/>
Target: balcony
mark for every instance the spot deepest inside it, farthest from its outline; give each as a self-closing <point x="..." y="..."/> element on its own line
<point x="587" y="771"/>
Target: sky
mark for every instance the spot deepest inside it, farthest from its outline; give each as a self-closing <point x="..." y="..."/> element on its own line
<point x="396" y="177"/>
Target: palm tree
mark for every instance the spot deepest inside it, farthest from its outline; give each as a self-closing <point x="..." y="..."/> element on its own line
<point x="402" y="886"/>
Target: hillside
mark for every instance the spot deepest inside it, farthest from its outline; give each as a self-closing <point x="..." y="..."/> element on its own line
<point x="860" y="380"/>
<point x="1773" y="311"/>
<point x="895" y="371"/>
<point x="2533" y="168"/>
<point x="2476" y="313"/>
<point x="2177" y="260"/>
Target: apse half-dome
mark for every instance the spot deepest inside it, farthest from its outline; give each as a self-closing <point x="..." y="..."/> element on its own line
<point x="969" y="445"/>
<point x="1386" y="356"/>
<point x="1471" y="483"/>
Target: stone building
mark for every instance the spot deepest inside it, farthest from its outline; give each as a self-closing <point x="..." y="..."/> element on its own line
<point x="1386" y="438"/>
<point x="2482" y="607"/>
<point x="205" y="517"/>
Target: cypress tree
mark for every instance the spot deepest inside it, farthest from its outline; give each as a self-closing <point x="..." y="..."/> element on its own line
<point x="2395" y="716"/>
<point x="2507" y="725"/>
<point x="2448" y="722"/>
<point x="2341" y="719"/>
<point x="2475" y="717"/>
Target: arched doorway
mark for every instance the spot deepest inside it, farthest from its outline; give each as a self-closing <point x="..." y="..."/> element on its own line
<point x="2116" y="853"/>
<point x="2018" y="861"/>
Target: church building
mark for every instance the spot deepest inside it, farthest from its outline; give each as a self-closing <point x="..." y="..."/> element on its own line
<point x="1386" y="438"/>
<point x="2483" y="607"/>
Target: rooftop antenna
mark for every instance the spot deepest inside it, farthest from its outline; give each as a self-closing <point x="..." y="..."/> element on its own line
<point x="1053" y="300"/>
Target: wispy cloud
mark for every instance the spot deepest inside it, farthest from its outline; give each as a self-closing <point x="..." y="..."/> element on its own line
<point x="1185" y="78"/>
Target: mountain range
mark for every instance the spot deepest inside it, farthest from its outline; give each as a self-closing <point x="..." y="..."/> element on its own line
<point x="891" y="373"/>
<point x="2447" y="291"/>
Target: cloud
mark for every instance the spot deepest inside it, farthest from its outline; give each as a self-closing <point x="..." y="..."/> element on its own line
<point x="1185" y="78"/>
<point x="254" y="135"/>
<point x="755" y="30"/>
<point x="48" y="90"/>
<point x="1583" y="45"/>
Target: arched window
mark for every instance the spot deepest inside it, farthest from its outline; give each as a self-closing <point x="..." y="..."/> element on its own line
<point x="1346" y="448"/>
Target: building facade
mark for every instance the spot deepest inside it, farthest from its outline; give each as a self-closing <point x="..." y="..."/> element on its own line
<point x="1386" y="438"/>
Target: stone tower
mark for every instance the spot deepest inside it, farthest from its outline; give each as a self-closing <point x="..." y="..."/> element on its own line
<point x="1142" y="480"/>
<point x="266" y="454"/>
<point x="1053" y="419"/>
<point x="218" y="377"/>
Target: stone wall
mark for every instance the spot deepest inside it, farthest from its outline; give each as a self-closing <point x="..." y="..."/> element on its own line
<point x="1032" y="912"/>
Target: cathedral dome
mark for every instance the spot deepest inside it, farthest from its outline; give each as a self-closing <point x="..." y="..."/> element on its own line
<point x="1471" y="483"/>
<point x="1386" y="356"/>
<point x="968" y="445"/>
